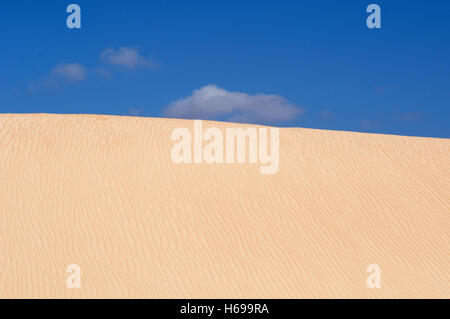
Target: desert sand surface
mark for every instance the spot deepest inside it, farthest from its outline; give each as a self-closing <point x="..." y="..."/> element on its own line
<point x="102" y="192"/>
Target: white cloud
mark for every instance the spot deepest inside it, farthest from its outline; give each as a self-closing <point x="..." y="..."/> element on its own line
<point x="63" y="73"/>
<point x="367" y="124"/>
<point x="71" y="72"/>
<point x="104" y="73"/>
<point x="125" y="57"/>
<point x="409" y="116"/>
<point x="326" y="115"/>
<point x="211" y="103"/>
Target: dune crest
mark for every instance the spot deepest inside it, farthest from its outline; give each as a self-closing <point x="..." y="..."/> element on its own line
<point x="102" y="192"/>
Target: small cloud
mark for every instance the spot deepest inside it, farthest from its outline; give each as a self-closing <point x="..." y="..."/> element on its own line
<point x="380" y="89"/>
<point x="104" y="73"/>
<point x="134" y="112"/>
<point x="61" y="74"/>
<point x="409" y="116"/>
<point x="366" y="124"/>
<point x="126" y="57"/>
<point x="32" y="87"/>
<point x="326" y="115"/>
<point x="70" y="72"/>
<point x="213" y="103"/>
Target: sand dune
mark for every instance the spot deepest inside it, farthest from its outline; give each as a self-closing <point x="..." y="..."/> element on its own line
<point x="102" y="192"/>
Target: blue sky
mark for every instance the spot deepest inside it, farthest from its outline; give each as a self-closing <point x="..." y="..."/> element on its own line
<point x="286" y="63"/>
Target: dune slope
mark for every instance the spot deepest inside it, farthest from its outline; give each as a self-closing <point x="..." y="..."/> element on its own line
<point x="102" y="192"/>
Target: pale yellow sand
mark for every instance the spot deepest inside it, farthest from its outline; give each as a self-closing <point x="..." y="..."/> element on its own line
<point x="103" y="193"/>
